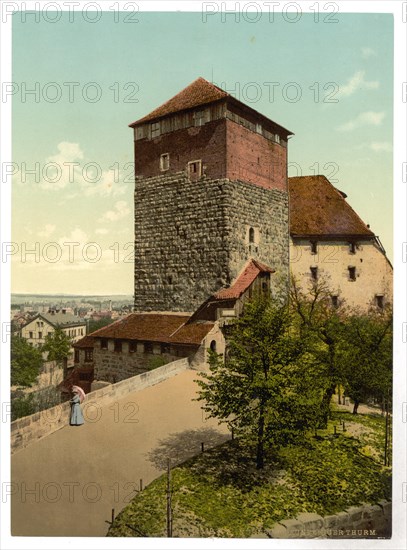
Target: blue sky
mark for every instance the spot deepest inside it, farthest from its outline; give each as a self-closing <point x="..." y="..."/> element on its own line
<point x="134" y="67"/>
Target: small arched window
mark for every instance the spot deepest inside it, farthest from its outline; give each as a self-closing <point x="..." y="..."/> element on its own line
<point x="251" y="235"/>
<point x="213" y="346"/>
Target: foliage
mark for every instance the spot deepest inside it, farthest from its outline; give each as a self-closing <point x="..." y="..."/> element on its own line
<point x="265" y="390"/>
<point x="322" y="325"/>
<point x="22" y="406"/>
<point x="100" y="323"/>
<point x="367" y="357"/>
<point x="26" y="362"/>
<point x="221" y="493"/>
<point x="156" y="361"/>
<point x="58" y="346"/>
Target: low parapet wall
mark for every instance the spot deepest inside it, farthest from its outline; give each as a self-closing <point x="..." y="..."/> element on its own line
<point x="29" y="429"/>
<point x="358" y="522"/>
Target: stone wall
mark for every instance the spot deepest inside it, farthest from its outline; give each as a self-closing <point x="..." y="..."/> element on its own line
<point x="30" y="429"/>
<point x="357" y="522"/>
<point x="114" y="366"/>
<point x="191" y="238"/>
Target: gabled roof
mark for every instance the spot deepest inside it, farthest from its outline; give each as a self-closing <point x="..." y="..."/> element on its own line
<point x="318" y="208"/>
<point x="58" y="319"/>
<point x="249" y="273"/>
<point x="156" y="327"/>
<point x="199" y="92"/>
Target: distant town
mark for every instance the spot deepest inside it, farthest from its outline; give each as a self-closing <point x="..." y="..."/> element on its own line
<point x="87" y="308"/>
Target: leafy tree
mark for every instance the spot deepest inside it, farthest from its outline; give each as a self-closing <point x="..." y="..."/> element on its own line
<point x="26" y="362"/>
<point x="58" y="346"/>
<point x="322" y="325"/>
<point x="100" y="323"/>
<point x="367" y="357"/>
<point x="265" y="389"/>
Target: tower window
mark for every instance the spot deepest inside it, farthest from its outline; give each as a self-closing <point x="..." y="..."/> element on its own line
<point x="379" y="301"/>
<point x="314" y="247"/>
<point x="200" y="118"/>
<point x="314" y="273"/>
<point x="352" y="273"/>
<point x="335" y="301"/>
<point x="251" y="235"/>
<point x="194" y="169"/>
<point x="155" y="129"/>
<point x="352" y="248"/>
<point x="164" y="162"/>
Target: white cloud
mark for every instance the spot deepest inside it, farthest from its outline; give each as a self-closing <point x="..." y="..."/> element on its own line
<point x="355" y="83"/>
<point x="368" y="118"/>
<point x="379" y="146"/>
<point x="120" y="211"/>
<point x="69" y="167"/>
<point x="101" y="231"/>
<point x="367" y="52"/>
<point x="105" y="185"/>
<point x="47" y="231"/>
<point x="63" y="168"/>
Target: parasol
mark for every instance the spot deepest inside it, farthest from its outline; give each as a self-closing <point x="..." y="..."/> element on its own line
<point x="79" y="391"/>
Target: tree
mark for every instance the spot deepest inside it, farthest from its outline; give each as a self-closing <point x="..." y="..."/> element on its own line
<point x="367" y="357"/>
<point x="26" y="362"/>
<point x="322" y="324"/>
<point x="264" y="390"/>
<point x="58" y="346"/>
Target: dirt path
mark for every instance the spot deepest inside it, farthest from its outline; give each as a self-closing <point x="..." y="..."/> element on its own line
<point x="68" y="483"/>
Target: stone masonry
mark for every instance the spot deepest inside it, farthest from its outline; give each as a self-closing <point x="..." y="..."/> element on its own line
<point x="192" y="237"/>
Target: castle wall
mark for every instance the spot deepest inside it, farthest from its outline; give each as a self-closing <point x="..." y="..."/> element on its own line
<point x="255" y="159"/>
<point x="206" y="143"/>
<point x="374" y="274"/>
<point x="192" y="237"/>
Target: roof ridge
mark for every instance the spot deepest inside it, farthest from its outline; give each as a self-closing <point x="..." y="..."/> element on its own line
<point x="199" y="84"/>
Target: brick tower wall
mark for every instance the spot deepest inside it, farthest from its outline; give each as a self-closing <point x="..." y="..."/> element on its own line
<point x="192" y="238"/>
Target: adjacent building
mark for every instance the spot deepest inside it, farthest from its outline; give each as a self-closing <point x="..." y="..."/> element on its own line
<point x="42" y="324"/>
<point x="330" y="242"/>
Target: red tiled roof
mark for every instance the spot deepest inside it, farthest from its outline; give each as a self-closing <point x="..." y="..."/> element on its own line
<point x="156" y="327"/>
<point x="244" y="280"/>
<point x="318" y="208"/>
<point x="192" y="333"/>
<point x="199" y="92"/>
<point x="85" y="342"/>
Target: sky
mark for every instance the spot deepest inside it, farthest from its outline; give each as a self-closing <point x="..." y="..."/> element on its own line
<point x="329" y="83"/>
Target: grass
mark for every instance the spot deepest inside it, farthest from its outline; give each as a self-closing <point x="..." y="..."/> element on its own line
<point x="220" y="493"/>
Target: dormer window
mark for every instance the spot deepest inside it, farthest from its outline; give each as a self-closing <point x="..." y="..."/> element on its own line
<point x="155" y="129"/>
<point x="164" y="162"/>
